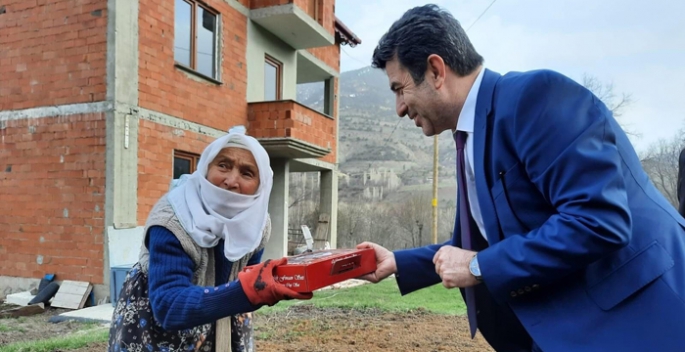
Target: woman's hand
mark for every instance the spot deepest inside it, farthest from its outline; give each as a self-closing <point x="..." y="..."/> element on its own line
<point x="260" y="286"/>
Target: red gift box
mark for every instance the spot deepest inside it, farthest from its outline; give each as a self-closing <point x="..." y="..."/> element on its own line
<point x="309" y="271"/>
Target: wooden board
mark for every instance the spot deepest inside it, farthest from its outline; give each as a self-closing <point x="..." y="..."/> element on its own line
<point x="72" y="294"/>
<point x="322" y="228"/>
<point x="23" y="311"/>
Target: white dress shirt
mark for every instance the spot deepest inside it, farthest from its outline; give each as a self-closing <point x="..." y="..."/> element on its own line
<point x="466" y="123"/>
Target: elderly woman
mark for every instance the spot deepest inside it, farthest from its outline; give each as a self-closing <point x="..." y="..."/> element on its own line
<point x="198" y="238"/>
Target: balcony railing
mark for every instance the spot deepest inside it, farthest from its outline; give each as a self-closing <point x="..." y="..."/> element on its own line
<point x="289" y="129"/>
<point x="310" y="7"/>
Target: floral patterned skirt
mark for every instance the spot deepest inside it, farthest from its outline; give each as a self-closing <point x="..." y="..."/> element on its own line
<point x="134" y="328"/>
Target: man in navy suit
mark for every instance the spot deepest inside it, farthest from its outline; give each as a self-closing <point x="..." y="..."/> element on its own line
<point x="561" y="242"/>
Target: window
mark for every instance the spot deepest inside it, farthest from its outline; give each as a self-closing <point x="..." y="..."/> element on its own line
<point x="195" y="37"/>
<point x="272" y="79"/>
<point x="184" y="163"/>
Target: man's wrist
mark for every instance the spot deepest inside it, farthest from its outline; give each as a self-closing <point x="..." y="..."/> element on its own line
<point x="474" y="268"/>
<point x="393" y="266"/>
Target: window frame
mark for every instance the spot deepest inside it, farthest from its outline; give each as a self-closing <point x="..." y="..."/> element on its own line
<point x="270" y="60"/>
<point x="192" y="68"/>
<point x="192" y="157"/>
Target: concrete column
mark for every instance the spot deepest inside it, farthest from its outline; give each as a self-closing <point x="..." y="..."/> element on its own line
<point x="278" y="210"/>
<point x="121" y="174"/>
<point x="122" y="123"/>
<point x="329" y="96"/>
<point x="328" y="202"/>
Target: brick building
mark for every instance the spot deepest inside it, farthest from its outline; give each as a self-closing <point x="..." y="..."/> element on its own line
<point x="104" y="102"/>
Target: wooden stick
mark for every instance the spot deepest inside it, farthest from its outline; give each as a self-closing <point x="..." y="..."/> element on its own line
<point x="23" y="311"/>
<point x="223" y="335"/>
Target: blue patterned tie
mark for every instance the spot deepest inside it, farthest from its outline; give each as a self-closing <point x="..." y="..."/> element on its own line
<point x="465" y="224"/>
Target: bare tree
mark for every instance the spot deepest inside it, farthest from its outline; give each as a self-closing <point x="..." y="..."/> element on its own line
<point x="446" y="219"/>
<point x="303" y="200"/>
<point x="304" y="186"/>
<point x="413" y="219"/>
<point x="605" y="93"/>
<point x="660" y="161"/>
<point x="382" y="223"/>
<point x="352" y="224"/>
<point x="381" y="228"/>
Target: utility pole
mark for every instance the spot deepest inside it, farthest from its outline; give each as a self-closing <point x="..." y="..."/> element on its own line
<point x="435" y="189"/>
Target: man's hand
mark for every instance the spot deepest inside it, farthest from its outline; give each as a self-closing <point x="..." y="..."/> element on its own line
<point x="385" y="263"/>
<point x="452" y="264"/>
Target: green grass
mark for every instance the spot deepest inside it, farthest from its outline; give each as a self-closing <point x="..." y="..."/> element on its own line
<point x="384" y="296"/>
<point x="69" y="342"/>
<point x="6" y="328"/>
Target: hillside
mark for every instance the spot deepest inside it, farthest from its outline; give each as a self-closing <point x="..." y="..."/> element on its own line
<point x="373" y="140"/>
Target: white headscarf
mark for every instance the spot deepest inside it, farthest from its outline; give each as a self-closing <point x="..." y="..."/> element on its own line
<point x="209" y="213"/>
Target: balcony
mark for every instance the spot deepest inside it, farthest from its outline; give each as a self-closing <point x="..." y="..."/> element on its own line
<point x="288" y="129"/>
<point x="312" y="69"/>
<point x="296" y="22"/>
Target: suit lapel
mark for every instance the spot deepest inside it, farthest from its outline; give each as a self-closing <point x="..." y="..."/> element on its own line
<point x="483" y="107"/>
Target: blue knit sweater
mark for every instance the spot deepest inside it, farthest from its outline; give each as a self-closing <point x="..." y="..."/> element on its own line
<point x="176" y="302"/>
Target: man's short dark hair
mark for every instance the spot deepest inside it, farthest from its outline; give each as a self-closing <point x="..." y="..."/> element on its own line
<point x="421" y="32"/>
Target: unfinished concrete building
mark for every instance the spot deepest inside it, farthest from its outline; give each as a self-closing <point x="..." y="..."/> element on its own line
<point x="104" y="102"/>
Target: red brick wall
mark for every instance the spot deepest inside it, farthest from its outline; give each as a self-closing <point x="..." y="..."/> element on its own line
<point x="258" y="4"/>
<point x="289" y="119"/>
<point x="168" y="89"/>
<point x="325" y="15"/>
<point x="329" y="55"/>
<point x="52" y="185"/>
<point x="334" y="126"/>
<point x="52" y="52"/>
<point x="336" y="101"/>
<point x="156" y="144"/>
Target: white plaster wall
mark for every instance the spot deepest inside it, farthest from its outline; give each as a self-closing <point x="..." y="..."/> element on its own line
<point x="124" y="245"/>
<point x="259" y="43"/>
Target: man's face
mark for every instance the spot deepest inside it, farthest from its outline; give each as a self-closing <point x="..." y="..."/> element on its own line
<point x="421" y="103"/>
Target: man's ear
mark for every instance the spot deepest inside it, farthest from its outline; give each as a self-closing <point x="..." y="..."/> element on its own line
<point x="436" y="71"/>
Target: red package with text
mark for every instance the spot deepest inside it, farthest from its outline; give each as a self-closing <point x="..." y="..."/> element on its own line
<point x="309" y="271"/>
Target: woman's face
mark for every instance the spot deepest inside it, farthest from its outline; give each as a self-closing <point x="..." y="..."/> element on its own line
<point x="235" y="170"/>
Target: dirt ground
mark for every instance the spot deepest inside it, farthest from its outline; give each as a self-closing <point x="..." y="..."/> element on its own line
<point x="305" y="328"/>
<point x="34" y="327"/>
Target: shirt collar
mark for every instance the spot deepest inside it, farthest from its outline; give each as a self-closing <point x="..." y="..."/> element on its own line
<point x="468" y="111"/>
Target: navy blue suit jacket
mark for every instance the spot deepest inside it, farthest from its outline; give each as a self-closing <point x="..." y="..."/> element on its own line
<point x="583" y="249"/>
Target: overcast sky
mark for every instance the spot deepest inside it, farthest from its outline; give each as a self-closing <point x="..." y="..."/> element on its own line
<point x="639" y="46"/>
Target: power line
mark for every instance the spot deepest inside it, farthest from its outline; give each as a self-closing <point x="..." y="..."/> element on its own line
<point x="353" y="58"/>
<point x="481" y="15"/>
<point x="393" y="130"/>
<point x="199" y="52"/>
